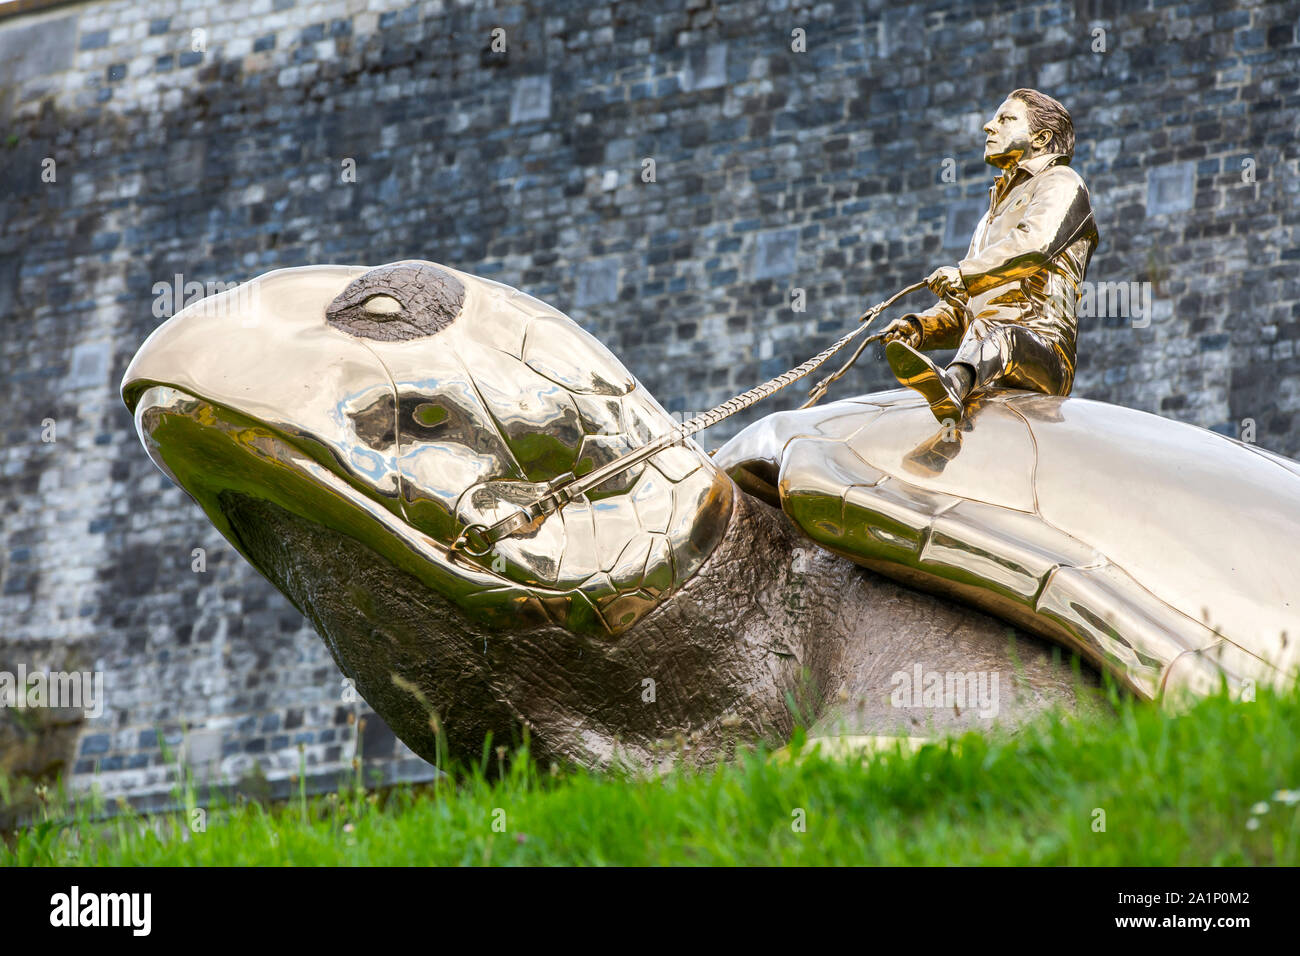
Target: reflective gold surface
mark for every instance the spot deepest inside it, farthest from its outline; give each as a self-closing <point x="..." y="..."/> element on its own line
<point x="442" y="412"/>
<point x="1159" y="550"/>
<point x="1016" y="324"/>
<point x="1009" y="306"/>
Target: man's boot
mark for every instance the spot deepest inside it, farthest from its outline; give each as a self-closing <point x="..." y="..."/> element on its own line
<point x="944" y="389"/>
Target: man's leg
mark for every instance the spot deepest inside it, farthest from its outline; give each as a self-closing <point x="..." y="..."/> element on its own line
<point x="944" y="389"/>
<point x="962" y="375"/>
<point x="1014" y="357"/>
<point x="1007" y="355"/>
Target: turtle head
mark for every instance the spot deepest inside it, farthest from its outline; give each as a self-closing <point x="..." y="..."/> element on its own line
<point x="403" y="403"/>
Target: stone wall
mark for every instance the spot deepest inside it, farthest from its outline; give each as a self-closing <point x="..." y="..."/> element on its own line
<point x="830" y="148"/>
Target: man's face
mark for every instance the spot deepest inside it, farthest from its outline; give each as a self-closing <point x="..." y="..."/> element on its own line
<point x="1009" y="139"/>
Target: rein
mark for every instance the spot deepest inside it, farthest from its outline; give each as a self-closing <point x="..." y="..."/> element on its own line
<point x="478" y="540"/>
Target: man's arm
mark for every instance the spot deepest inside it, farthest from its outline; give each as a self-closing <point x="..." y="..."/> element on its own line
<point x="941" y="325"/>
<point x="1058" y="209"/>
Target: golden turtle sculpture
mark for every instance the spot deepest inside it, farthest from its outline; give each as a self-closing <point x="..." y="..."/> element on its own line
<point x="345" y="427"/>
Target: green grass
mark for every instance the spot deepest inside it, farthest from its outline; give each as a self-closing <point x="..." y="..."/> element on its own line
<point x="1175" y="790"/>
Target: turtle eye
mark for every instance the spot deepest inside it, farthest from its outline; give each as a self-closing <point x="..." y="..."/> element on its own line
<point x="399" y="301"/>
<point x="382" y="305"/>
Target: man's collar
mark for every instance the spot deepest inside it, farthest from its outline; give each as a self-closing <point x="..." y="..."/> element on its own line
<point x="1040" y="162"/>
<point x="1030" y="167"/>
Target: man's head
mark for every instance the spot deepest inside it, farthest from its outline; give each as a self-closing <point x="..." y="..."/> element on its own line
<point x="1027" y="124"/>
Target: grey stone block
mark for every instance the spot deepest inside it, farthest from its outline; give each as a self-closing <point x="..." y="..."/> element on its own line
<point x="89" y="365"/>
<point x="705" y="67"/>
<point x="531" y="100"/>
<point x="202" y="748"/>
<point x="1171" y="189"/>
<point x="29" y="50"/>
<point x="597" y="283"/>
<point x="9" y="269"/>
<point x="774" y="253"/>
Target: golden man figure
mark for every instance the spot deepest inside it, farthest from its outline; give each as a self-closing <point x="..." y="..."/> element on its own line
<point x="1009" y="307"/>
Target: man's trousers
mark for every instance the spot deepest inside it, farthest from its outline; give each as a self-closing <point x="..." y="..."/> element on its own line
<point x="1013" y="356"/>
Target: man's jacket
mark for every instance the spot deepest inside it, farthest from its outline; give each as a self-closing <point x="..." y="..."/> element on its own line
<point x="1025" y="261"/>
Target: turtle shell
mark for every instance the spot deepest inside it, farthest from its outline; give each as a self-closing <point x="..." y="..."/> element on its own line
<point x="1160" y="551"/>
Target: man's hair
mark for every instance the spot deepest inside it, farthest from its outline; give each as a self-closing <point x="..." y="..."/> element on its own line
<point x="1046" y="113"/>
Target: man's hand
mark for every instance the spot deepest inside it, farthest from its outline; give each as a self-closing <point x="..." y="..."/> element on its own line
<point x="945" y="281"/>
<point x="902" y="329"/>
